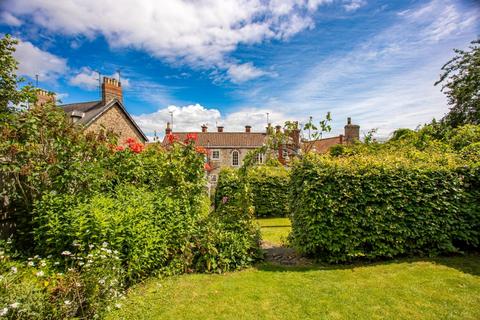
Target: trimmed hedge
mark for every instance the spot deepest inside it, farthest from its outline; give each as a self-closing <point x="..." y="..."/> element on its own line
<point x="270" y="191"/>
<point x="373" y="207"/>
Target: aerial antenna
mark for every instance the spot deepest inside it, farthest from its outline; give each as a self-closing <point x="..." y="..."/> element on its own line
<point x="268" y="119"/>
<point x="119" y="75"/>
<point x="36" y="81"/>
<point x="99" y="83"/>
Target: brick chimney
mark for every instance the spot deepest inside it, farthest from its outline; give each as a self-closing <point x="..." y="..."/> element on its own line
<point x="168" y="130"/>
<point x="296" y="136"/>
<point x="352" y="131"/>
<point x="220" y="128"/>
<point x="204" y="128"/>
<point x="278" y="128"/>
<point x="44" y="97"/>
<point x="111" y="89"/>
<point x="248" y="129"/>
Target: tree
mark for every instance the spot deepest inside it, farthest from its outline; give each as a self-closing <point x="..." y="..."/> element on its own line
<point x="461" y="84"/>
<point x="9" y="81"/>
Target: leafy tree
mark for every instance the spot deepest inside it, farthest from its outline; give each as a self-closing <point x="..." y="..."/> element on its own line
<point x="9" y="81"/>
<point x="461" y="83"/>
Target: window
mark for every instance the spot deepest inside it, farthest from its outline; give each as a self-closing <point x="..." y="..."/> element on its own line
<point x="259" y="158"/>
<point x="235" y="161"/>
<point x="213" y="178"/>
<point x="284" y="153"/>
<point x="216" y="154"/>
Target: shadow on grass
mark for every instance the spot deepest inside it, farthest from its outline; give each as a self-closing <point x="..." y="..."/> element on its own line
<point x="467" y="263"/>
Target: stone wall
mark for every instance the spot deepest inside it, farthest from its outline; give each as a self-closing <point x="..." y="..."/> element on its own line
<point x="224" y="161"/>
<point x="114" y="119"/>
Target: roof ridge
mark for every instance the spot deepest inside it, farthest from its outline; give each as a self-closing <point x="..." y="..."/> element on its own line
<point x="77" y="103"/>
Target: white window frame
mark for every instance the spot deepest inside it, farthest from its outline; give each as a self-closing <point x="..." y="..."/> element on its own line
<point x="235" y="152"/>
<point x="260" y="158"/>
<point x="213" y="178"/>
<point x="213" y="152"/>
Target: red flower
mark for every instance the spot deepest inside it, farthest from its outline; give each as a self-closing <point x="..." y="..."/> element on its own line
<point x="119" y="148"/>
<point x="171" y="138"/>
<point x="135" y="146"/>
<point x="191" y="137"/>
<point x="207" y="167"/>
<point x="130" y="140"/>
<point x="201" y="150"/>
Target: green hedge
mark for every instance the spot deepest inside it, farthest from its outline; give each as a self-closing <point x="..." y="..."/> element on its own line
<point x="270" y="191"/>
<point x="372" y="207"/>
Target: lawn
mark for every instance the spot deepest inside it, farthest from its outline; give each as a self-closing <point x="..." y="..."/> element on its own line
<point x="275" y="230"/>
<point x="442" y="288"/>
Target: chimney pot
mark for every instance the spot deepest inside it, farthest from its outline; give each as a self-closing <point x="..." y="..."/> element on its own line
<point x="248" y="129"/>
<point x="220" y="128"/>
<point x="349" y="120"/>
<point x="204" y="128"/>
<point x="278" y="128"/>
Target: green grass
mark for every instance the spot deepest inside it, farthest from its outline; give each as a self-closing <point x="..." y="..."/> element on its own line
<point x="275" y="230"/>
<point x="444" y="288"/>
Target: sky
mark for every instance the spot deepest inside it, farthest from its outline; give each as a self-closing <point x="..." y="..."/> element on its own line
<point x="230" y="62"/>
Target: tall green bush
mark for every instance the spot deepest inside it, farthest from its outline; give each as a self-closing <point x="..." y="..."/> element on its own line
<point x="383" y="206"/>
<point x="270" y="190"/>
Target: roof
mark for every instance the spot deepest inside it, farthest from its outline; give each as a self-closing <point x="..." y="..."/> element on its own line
<point x="225" y="139"/>
<point x="322" y="145"/>
<point x="92" y="110"/>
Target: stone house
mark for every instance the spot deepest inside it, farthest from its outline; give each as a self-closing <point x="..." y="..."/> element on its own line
<point x="108" y="113"/>
<point x="228" y="149"/>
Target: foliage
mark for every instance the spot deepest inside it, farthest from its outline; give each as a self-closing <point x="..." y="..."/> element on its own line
<point x="461" y="84"/>
<point x="384" y="205"/>
<point x="41" y="151"/>
<point x="10" y="95"/>
<point x="85" y="284"/>
<point x="270" y="190"/>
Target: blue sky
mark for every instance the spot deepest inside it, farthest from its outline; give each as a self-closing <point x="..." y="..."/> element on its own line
<point x="230" y="62"/>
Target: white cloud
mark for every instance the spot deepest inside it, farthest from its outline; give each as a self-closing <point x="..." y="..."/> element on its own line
<point x="34" y="61"/>
<point x="199" y="33"/>
<point x="9" y="19"/>
<point x="386" y="81"/>
<point x="353" y="5"/>
<point x="192" y="117"/>
<point x="243" y="72"/>
<point x="87" y="79"/>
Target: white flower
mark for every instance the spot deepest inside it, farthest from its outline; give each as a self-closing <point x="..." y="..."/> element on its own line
<point x="36" y="257"/>
<point x="67" y="302"/>
<point x="43" y="263"/>
<point x="81" y="263"/>
<point x="66" y="253"/>
<point x="101" y="281"/>
<point x="49" y="256"/>
<point x="3" y="312"/>
<point x="105" y="244"/>
<point x="91" y="246"/>
<point x="56" y="263"/>
<point x="14" y="305"/>
<point x="40" y="274"/>
<point x="14" y="269"/>
<point x="118" y="305"/>
<point x="31" y="264"/>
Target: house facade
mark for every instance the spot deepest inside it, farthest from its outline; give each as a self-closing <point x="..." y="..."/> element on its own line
<point x="228" y="149"/>
<point x="109" y="113"/>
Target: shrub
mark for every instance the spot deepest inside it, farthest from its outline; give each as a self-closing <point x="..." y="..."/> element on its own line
<point x="270" y="190"/>
<point x="383" y="206"/>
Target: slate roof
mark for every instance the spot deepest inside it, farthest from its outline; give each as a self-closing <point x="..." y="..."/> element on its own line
<point x="225" y="139"/>
<point x="91" y="110"/>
